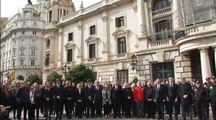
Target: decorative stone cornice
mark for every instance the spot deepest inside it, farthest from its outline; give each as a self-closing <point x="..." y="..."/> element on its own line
<point x="92" y="39"/>
<point x="120" y="31"/>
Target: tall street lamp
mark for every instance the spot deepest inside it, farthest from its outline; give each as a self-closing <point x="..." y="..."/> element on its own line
<point x="65" y="70"/>
<point x="134" y="62"/>
<point x="8" y="76"/>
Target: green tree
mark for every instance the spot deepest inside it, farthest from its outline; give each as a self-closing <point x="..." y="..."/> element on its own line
<point x="53" y="77"/>
<point x="20" y="77"/>
<point x="34" y="79"/>
<point x="135" y="80"/>
<point x="81" y="73"/>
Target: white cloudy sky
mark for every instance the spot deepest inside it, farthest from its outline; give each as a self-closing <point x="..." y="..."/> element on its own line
<point x="10" y="7"/>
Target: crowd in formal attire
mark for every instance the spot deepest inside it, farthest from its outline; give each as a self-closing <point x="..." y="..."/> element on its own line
<point x="104" y="100"/>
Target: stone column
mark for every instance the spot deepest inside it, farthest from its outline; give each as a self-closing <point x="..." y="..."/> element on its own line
<point x="141" y="18"/>
<point x="176" y="15"/>
<point x="205" y="63"/>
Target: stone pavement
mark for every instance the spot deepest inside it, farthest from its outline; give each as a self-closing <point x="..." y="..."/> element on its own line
<point x="111" y="118"/>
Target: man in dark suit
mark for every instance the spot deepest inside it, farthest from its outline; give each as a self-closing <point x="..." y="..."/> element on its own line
<point x="98" y="99"/>
<point x="173" y="98"/>
<point x="89" y="92"/>
<point x="23" y="100"/>
<point x="185" y="93"/>
<point x="160" y="97"/>
<point x="69" y="99"/>
<point x="116" y="95"/>
<point x="59" y="99"/>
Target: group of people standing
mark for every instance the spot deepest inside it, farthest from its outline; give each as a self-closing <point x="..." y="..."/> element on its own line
<point x="141" y="99"/>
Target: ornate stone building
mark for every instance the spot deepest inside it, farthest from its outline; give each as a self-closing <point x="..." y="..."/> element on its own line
<point x="164" y="35"/>
<point x="22" y="42"/>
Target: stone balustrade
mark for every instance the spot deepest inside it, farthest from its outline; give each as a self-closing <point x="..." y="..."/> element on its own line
<point x="161" y="11"/>
<point x="160" y="44"/>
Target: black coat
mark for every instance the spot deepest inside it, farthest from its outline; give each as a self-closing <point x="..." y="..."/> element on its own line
<point x="80" y="96"/>
<point x="185" y="89"/>
<point x="200" y="95"/>
<point x="149" y="93"/>
<point x="70" y="93"/>
<point x="116" y="95"/>
<point x="98" y="95"/>
<point x="127" y="95"/>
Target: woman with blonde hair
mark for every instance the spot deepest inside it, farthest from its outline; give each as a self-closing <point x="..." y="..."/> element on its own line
<point x="106" y="99"/>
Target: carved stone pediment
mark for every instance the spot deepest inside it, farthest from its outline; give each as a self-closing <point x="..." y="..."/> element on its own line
<point x="120" y="31"/>
<point x="92" y="39"/>
<point x="69" y="45"/>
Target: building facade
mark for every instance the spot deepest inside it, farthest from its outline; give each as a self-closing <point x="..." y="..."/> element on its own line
<point x="22" y="42"/>
<point x="105" y="35"/>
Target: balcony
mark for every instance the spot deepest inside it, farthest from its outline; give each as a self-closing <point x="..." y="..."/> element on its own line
<point x="164" y="35"/>
<point x="162" y="12"/>
<point x="196" y="36"/>
<point x="161" y="39"/>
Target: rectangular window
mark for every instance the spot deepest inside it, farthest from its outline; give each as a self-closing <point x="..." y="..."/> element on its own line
<point x="14" y="63"/>
<point x="35" y="23"/>
<point x="23" y="32"/>
<point x="14" y="52"/>
<point x="21" y="62"/>
<point x="24" y="23"/>
<point x="121" y="44"/>
<point x="122" y="76"/>
<point x="70" y="36"/>
<point x="33" y="41"/>
<point x="92" y="51"/>
<point x="22" y="52"/>
<point x="32" y="51"/>
<point x="92" y="30"/>
<point x="50" y="16"/>
<point x="47" y="59"/>
<point x="34" y="33"/>
<point x="120" y="21"/>
<point x="15" y="34"/>
<point x="32" y="62"/>
<point x="162" y="70"/>
<point x="69" y="55"/>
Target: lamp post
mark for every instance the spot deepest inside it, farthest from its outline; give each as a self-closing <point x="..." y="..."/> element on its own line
<point x="65" y="70"/>
<point x="134" y="62"/>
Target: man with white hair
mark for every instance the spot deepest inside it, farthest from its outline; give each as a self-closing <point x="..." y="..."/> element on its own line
<point x="160" y="97"/>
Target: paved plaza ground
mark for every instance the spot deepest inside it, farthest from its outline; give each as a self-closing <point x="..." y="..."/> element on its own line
<point x="111" y="118"/>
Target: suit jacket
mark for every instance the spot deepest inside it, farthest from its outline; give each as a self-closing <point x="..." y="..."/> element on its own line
<point x="185" y="89"/>
<point x="116" y="95"/>
<point x="160" y="94"/>
<point x="89" y="93"/>
<point x="80" y="95"/>
<point x="172" y="92"/>
<point x="98" y="95"/>
<point x="149" y="92"/>
<point x="70" y="93"/>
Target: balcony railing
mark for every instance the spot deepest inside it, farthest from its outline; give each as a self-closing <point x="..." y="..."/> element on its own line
<point x="164" y="35"/>
<point x="161" y="11"/>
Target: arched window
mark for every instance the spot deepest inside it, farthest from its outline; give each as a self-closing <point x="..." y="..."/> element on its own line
<point x="160" y="4"/>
